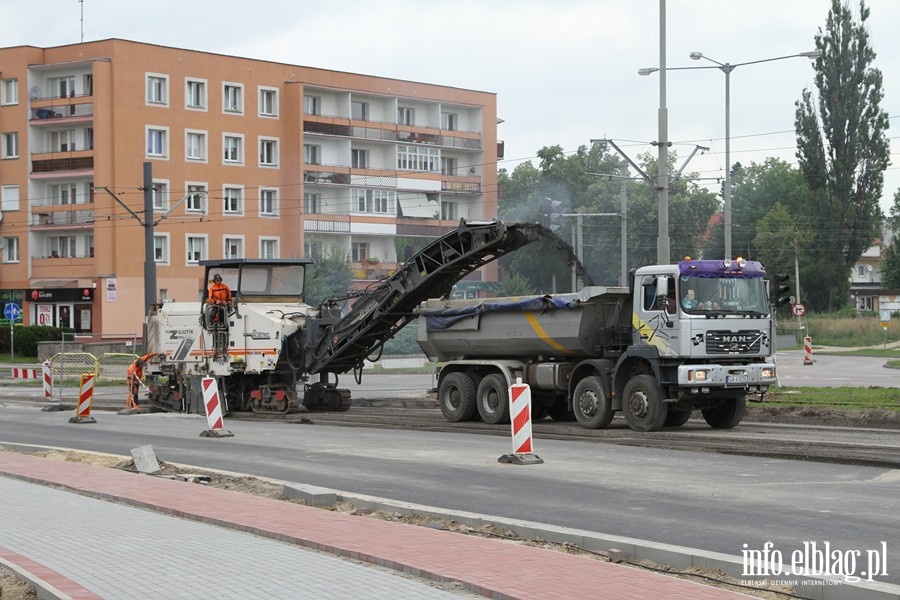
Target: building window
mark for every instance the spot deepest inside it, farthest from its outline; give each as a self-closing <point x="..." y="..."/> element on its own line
<point x="359" y="251"/>
<point x="89" y="138"/>
<point x="89" y="245"/>
<point x="9" y="91"/>
<point x="161" y="249"/>
<point x="359" y="110"/>
<point x="62" y="141"/>
<point x="195" y="94"/>
<point x="414" y="158"/>
<point x="312" y="203"/>
<point x="381" y="202"/>
<point x="861" y="270"/>
<point x="62" y="194"/>
<point x="448" y="166"/>
<point x="312" y="249"/>
<point x="268" y="102"/>
<point x="268" y="202"/>
<point x="232" y="203"/>
<point x="160" y="195"/>
<point x="195" y="145"/>
<point x="312" y="105"/>
<point x="234" y="247"/>
<point x="449" y="121"/>
<point x="448" y="211"/>
<point x="62" y="87"/>
<point x="406" y="115"/>
<point x="312" y="154"/>
<point x="157" y="142"/>
<point x="196" y="200"/>
<point x="268" y="153"/>
<point x="157" y="89"/>
<point x="359" y="159"/>
<point x="11" y="251"/>
<point x="234" y="149"/>
<point x="11" y="145"/>
<point x="233" y="98"/>
<point x="88" y="82"/>
<point x="61" y="246"/>
<point x="268" y="248"/>
<point x="9" y="198"/>
<point x="196" y="248"/>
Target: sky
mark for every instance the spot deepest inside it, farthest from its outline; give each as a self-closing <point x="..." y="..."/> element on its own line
<point x="564" y="71"/>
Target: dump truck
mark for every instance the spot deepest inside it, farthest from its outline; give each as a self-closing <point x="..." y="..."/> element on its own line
<point x="694" y="336"/>
<point x="272" y="352"/>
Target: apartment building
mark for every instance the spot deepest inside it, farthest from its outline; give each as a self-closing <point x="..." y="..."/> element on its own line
<point x="249" y="158"/>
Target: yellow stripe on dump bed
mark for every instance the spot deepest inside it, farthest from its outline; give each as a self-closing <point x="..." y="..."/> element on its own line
<point x="542" y="333"/>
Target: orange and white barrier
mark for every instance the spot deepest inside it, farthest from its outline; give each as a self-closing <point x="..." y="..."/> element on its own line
<point x="48" y="380"/>
<point x="213" y="407"/>
<point x="807" y="351"/>
<point x="85" y="398"/>
<point x="520" y="419"/>
<point x="24" y="373"/>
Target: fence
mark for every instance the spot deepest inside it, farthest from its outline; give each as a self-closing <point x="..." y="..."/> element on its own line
<point x="107" y="356"/>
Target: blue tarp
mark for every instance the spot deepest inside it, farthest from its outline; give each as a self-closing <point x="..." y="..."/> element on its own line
<point x="442" y="318"/>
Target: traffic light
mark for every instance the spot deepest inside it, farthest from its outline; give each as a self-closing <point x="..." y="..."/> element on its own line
<point x="551" y="218"/>
<point x="779" y="291"/>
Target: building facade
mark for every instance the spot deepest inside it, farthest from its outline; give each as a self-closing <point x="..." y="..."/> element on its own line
<point x="248" y="158"/>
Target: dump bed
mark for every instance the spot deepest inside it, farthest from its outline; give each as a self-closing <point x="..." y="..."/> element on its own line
<point x="566" y="325"/>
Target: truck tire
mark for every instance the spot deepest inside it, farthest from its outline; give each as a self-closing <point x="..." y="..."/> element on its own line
<point x="456" y="397"/>
<point x="591" y="404"/>
<point x="642" y="404"/>
<point x="727" y="414"/>
<point x="493" y="399"/>
<point x="677" y="418"/>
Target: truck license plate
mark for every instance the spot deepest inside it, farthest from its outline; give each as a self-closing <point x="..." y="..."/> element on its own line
<point x="736" y="379"/>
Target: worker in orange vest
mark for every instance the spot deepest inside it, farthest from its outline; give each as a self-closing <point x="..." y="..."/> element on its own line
<point x="134" y="378"/>
<point x="219" y="299"/>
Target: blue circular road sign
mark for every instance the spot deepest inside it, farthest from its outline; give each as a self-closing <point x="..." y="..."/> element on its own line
<point x="11" y="311"/>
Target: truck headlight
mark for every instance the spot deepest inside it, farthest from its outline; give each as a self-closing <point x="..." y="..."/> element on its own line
<point x="700" y="375"/>
<point x="767" y="373"/>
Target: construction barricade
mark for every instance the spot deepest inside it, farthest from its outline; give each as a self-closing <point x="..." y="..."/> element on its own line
<point x="85" y="398"/>
<point x="520" y="420"/>
<point x="47" y="372"/>
<point x="24" y="373"/>
<point x="213" y="409"/>
<point x="807" y="351"/>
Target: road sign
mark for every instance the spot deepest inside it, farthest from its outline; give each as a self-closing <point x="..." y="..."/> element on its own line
<point x="11" y="311"/>
<point x="798" y="310"/>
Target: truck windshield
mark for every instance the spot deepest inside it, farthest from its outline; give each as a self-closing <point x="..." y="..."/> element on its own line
<point x="723" y="295"/>
<point x="272" y="280"/>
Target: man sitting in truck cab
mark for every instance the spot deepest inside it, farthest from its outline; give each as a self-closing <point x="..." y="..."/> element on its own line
<point x="219" y="300"/>
<point x="689" y="302"/>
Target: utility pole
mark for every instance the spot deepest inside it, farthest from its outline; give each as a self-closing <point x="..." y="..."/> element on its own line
<point x="149" y="259"/>
<point x="623" y="275"/>
<point x="663" y="252"/>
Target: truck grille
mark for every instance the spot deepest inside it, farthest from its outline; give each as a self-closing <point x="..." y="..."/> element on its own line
<point x="733" y="342"/>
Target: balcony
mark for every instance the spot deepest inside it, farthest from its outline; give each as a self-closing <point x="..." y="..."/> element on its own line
<point x="71" y="216"/>
<point x="391" y="132"/>
<point x="65" y="166"/>
<point x="321" y="223"/>
<point x="58" y="116"/>
<point x="371" y="270"/>
<point x="51" y="267"/>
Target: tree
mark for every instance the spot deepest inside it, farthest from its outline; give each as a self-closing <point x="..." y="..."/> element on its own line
<point x="328" y="276"/>
<point x="890" y="266"/>
<point x="778" y="236"/>
<point x="843" y="151"/>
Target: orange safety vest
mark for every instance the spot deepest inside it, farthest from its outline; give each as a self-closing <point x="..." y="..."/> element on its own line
<point x="219" y="293"/>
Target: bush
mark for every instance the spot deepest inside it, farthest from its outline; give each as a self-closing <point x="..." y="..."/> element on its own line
<point x="836" y="329"/>
<point x="26" y="338"/>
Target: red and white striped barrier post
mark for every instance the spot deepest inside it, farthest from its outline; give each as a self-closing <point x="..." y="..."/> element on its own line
<point x="85" y="398"/>
<point x="48" y="380"/>
<point x="807" y="351"/>
<point x="213" y="409"/>
<point x="24" y="373"/>
<point x="520" y="419"/>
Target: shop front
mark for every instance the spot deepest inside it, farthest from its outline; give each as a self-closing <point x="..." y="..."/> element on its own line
<point x="62" y="307"/>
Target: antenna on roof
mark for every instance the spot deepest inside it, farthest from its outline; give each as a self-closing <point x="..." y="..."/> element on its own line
<point x="81" y="2"/>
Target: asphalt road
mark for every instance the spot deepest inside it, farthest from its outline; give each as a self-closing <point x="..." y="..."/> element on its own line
<point x="708" y="501"/>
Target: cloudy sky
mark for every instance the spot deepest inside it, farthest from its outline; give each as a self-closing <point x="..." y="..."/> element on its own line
<point x="565" y="71"/>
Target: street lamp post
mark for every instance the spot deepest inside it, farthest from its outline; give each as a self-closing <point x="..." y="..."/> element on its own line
<point x="727" y="68"/>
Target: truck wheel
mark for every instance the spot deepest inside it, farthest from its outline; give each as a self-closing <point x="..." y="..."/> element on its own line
<point x="642" y="404"/>
<point x="727" y="414"/>
<point x="493" y="399"/>
<point x="591" y="403"/>
<point x="677" y="418"/>
<point x="457" y="397"/>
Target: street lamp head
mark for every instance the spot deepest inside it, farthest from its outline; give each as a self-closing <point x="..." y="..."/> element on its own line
<point x="811" y="55"/>
<point x="696" y="55"/>
<point x="647" y="70"/>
